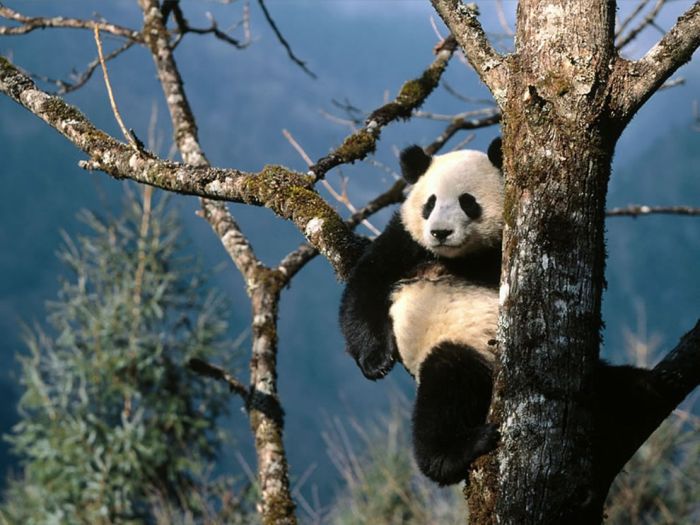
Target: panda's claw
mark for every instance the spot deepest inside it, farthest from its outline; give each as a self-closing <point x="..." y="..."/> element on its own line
<point x="376" y="367"/>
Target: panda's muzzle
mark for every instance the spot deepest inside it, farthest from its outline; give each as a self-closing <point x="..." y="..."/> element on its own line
<point x="441" y="235"/>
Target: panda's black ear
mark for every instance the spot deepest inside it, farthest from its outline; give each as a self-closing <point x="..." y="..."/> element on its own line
<point x="495" y="153"/>
<point x="414" y="162"/>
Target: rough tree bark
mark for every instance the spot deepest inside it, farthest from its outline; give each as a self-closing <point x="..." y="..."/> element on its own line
<point x="566" y="96"/>
<point x="266" y="420"/>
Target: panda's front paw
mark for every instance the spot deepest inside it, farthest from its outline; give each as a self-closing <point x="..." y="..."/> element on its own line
<point x="376" y="365"/>
<point x="486" y="439"/>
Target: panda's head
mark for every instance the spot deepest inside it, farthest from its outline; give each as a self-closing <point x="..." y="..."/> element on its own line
<point x="455" y="206"/>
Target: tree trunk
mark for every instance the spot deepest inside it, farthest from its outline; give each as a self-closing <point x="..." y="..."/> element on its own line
<point x="558" y="147"/>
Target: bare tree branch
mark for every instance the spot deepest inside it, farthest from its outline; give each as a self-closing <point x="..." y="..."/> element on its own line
<point x="285" y="192"/>
<point x="112" y="101"/>
<point x="263" y="285"/>
<point x="622" y="41"/>
<point x="79" y="79"/>
<point x="671" y="381"/>
<point x="638" y="210"/>
<point x="283" y="41"/>
<point x="29" y="24"/>
<point x="235" y="243"/>
<point x="297" y="259"/>
<point x="186" y="136"/>
<point x="184" y="27"/>
<point x="412" y="94"/>
<point x="633" y="82"/>
<point x="501" y="14"/>
<point x="674" y="82"/>
<point x="203" y="368"/>
<point x="458" y="124"/>
<point x="462" y="21"/>
<point x="620" y="29"/>
<point x="469" y="100"/>
<point x="294" y="261"/>
<point x="679" y="371"/>
<point x="341" y="197"/>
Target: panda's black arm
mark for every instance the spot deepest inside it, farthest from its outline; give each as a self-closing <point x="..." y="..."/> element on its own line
<point x="364" y="307"/>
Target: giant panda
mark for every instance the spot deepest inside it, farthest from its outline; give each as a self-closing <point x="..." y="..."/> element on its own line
<point x="425" y="293"/>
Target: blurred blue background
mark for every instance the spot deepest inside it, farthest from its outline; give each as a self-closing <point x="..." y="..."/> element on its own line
<point x="362" y="51"/>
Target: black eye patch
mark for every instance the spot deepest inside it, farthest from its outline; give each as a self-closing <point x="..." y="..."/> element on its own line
<point x="428" y="206"/>
<point x="470" y="206"/>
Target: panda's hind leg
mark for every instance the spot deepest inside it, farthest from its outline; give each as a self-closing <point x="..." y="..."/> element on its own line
<point x="449" y="416"/>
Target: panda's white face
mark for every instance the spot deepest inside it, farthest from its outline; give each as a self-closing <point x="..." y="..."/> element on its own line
<point x="456" y="206"/>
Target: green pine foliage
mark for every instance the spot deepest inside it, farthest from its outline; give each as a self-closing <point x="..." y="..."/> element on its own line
<point x="113" y="423"/>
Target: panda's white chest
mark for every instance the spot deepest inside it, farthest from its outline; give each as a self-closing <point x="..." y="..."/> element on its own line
<point x="425" y="313"/>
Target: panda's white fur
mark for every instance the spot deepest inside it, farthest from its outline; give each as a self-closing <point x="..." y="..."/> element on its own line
<point x="426" y="291"/>
<point x="427" y="312"/>
<point x="449" y="176"/>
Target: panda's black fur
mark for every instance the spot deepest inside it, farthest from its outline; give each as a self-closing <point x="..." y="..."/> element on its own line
<point x="384" y="316"/>
<point x="454" y="374"/>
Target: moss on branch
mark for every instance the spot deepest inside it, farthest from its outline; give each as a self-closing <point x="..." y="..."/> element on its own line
<point x="411" y="96"/>
<point x="287" y="193"/>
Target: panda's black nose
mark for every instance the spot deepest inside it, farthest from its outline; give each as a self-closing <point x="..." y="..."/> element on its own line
<point x="441" y="235"/>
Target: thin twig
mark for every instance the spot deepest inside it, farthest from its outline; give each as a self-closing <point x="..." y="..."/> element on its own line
<point x="674" y="82"/>
<point x="30" y="24"/>
<point x="143" y="234"/>
<point x="108" y="84"/>
<point x="466" y="140"/>
<point x="623" y="25"/>
<point x="639" y="210"/>
<point x="247" y="35"/>
<point x="458" y="125"/>
<point x="184" y="27"/>
<point x="340" y="197"/>
<point x="283" y="41"/>
<point x="393" y="195"/>
<point x="354" y="113"/>
<point x="296" y="260"/>
<point x="78" y="80"/>
<point x="337" y="120"/>
<point x="648" y="20"/>
<point x="383" y="167"/>
<point x="466" y="115"/>
<point x="501" y="14"/>
<point x="411" y="96"/>
<point x="469" y="100"/>
<point x="203" y="368"/>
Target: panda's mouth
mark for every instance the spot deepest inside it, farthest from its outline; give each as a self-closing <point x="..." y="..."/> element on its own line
<point x="446" y="249"/>
<point x="450" y="242"/>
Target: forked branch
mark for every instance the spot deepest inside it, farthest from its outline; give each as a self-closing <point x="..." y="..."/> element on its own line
<point x="288" y="194"/>
<point x="633" y="82"/>
<point x="27" y="24"/>
<point x="462" y="21"/>
<point x="637" y="210"/>
<point x="671" y="381"/>
<point x="411" y="96"/>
